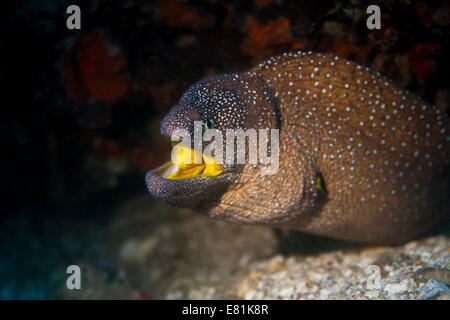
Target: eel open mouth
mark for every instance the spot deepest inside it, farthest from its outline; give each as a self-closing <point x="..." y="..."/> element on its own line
<point x="182" y="164"/>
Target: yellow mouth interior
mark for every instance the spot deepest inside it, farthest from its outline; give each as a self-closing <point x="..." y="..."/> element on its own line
<point x="182" y="165"/>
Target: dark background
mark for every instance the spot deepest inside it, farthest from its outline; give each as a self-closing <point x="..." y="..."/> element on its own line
<point x="80" y="109"/>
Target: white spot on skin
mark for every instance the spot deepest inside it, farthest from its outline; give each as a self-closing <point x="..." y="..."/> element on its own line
<point x="391" y="131"/>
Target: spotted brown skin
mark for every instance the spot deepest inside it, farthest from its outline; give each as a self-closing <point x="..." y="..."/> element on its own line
<point x="360" y="159"/>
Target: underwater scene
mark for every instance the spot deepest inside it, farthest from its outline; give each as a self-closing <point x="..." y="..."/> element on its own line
<point x="225" y="150"/>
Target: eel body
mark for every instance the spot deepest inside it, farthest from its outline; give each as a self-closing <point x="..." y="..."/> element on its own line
<point x="360" y="159"/>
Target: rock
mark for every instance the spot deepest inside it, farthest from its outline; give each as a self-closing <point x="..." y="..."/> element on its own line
<point x="397" y="288"/>
<point x="434" y="289"/>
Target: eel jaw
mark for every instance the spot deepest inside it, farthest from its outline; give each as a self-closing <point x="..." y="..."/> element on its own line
<point x="196" y="186"/>
<point x="188" y="163"/>
<point x="199" y="193"/>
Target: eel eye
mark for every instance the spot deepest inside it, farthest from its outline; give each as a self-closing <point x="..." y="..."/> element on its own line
<point x="209" y="124"/>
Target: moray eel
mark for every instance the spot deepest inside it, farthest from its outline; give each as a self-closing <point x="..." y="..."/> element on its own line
<point x="360" y="159"/>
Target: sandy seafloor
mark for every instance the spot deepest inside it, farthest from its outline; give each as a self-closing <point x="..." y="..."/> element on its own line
<point x="147" y="250"/>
